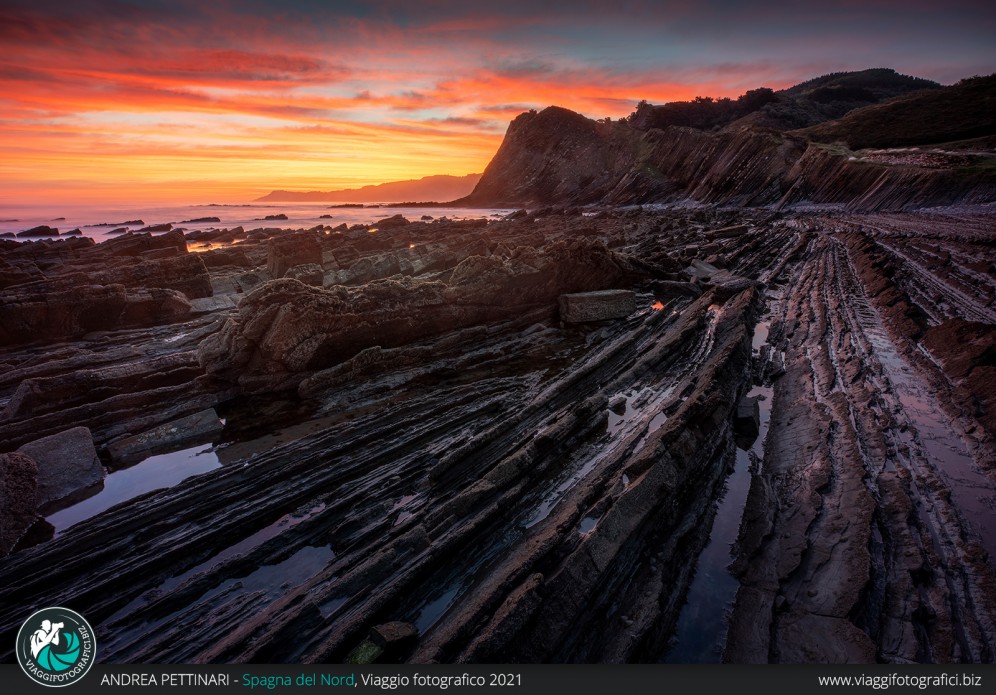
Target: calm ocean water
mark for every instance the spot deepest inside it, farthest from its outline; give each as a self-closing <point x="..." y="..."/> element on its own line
<point x="248" y="216"/>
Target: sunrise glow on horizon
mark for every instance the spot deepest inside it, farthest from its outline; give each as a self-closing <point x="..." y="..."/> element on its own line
<point x="171" y="102"/>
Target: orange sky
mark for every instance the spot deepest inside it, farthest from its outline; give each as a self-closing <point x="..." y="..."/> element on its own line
<point x="181" y="102"/>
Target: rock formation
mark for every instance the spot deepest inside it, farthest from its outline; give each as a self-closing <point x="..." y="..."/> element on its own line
<point x="596" y="306"/>
<point x="558" y="157"/>
<point x="292" y="250"/>
<point x="67" y="464"/>
<point x="286" y="328"/>
<point x="28" y="316"/>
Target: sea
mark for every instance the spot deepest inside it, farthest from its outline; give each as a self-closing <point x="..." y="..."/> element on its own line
<point x="248" y="216"/>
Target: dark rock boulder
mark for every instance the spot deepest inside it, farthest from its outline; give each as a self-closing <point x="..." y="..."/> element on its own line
<point x="392" y="222"/>
<point x="126" y="223"/>
<point x="285" y="252"/>
<point x="596" y="306"/>
<point x="158" y="254"/>
<point x="67" y="464"/>
<point x="368" y="269"/>
<point x="397" y="639"/>
<point x="39" y="231"/>
<point x="727" y="232"/>
<point x="747" y="421"/>
<point x="533" y="277"/>
<point x="669" y="289"/>
<point x="18" y="498"/>
<point x="226" y="236"/>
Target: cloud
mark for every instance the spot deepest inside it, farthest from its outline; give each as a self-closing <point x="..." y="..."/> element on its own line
<point x="138" y="94"/>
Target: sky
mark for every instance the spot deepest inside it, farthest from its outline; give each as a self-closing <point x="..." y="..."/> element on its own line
<point x="173" y="101"/>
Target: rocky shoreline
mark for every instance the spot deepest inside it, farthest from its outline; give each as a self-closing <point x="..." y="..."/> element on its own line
<point x="417" y="430"/>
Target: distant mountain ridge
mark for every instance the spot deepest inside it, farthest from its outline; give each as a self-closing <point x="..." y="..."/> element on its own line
<point x="441" y="187"/>
<point x="765" y="149"/>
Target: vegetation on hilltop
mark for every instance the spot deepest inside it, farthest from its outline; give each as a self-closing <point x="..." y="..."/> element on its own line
<point x="877" y="79"/>
<point x="963" y="111"/>
<point x="808" y="103"/>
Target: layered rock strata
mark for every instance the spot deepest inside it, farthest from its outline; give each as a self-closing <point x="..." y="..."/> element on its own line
<point x="411" y="454"/>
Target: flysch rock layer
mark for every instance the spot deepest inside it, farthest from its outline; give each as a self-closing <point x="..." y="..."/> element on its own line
<point x="422" y="443"/>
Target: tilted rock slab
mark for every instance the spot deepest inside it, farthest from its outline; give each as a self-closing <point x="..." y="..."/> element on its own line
<point x="28" y="316"/>
<point x="596" y="306"/>
<point x="67" y="464"/>
<point x="285" y="328"/>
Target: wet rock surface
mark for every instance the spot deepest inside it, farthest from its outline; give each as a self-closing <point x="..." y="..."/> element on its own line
<point x="420" y="462"/>
<point x="168" y="437"/>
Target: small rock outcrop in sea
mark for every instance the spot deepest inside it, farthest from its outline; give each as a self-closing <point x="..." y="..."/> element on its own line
<point x="67" y="464"/>
<point x="39" y="231"/>
<point x="392" y="222"/>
